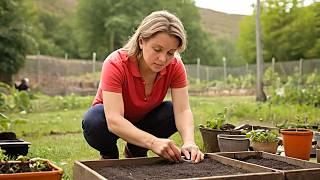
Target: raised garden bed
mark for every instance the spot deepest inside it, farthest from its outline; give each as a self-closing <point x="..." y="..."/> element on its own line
<point x="293" y="169"/>
<point x="213" y="167"/>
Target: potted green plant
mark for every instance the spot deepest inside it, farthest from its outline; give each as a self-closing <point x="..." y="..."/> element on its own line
<point x="297" y="139"/>
<point x="263" y="140"/>
<point x="24" y="168"/>
<point x="213" y="127"/>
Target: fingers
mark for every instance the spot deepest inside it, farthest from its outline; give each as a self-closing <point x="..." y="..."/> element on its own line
<point x="186" y="153"/>
<point x="174" y="152"/>
<point x="199" y="157"/>
<point x="167" y="149"/>
<point x="172" y="155"/>
<point x="193" y="151"/>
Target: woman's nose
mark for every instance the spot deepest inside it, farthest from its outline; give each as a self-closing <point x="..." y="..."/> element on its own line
<point x="163" y="57"/>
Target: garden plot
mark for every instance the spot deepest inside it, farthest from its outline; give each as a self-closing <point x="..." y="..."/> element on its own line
<point x="293" y="169"/>
<point x="212" y="167"/>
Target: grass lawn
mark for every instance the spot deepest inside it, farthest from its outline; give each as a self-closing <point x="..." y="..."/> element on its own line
<point x="57" y="135"/>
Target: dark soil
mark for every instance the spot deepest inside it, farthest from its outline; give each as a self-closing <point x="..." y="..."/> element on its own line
<point x="168" y="170"/>
<point x="10" y="168"/>
<point x="271" y="163"/>
<point x="227" y="126"/>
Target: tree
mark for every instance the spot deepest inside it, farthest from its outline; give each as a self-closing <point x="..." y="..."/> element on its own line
<point x="289" y="31"/>
<point x="104" y="25"/>
<point x="260" y="95"/>
<point x="315" y="20"/>
<point x="14" y="37"/>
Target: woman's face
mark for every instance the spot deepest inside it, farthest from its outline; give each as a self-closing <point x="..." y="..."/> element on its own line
<point x="159" y="50"/>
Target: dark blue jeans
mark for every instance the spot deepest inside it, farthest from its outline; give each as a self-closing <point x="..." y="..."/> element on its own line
<point x="159" y="122"/>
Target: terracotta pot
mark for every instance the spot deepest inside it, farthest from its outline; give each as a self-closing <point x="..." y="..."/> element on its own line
<point x="55" y="174"/>
<point x="233" y="143"/>
<point x="270" y="147"/>
<point x="297" y="143"/>
<point x="210" y="140"/>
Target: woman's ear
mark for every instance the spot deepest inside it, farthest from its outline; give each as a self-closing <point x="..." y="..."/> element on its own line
<point x="140" y="41"/>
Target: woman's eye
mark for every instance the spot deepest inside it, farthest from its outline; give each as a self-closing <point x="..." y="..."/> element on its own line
<point x="170" y="53"/>
<point x="157" y="50"/>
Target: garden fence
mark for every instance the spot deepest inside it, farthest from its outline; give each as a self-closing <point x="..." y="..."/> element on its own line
<point x="49" y="74"/>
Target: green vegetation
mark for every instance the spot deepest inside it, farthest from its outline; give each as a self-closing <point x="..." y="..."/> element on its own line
<point x="218" y="121"/>
<point x="45" y="127"/>
<point x="14" y="37"/>
<point x="27" y="164"/>
<point x="263" y="136"/>
<point x="74" y="30"/>
<point x="290" y="31"/>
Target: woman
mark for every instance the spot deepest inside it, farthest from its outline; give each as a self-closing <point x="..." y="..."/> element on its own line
<point x="129" y="101"/>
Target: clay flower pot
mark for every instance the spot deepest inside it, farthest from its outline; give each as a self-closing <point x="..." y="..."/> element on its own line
<point x="270" y="147"/>
<point x="297" y="142"/>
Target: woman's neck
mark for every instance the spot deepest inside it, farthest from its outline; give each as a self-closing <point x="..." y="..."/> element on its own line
<point x="145" y="71"/>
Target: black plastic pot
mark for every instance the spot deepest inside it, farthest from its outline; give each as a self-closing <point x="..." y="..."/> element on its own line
<point x="13" y="147"/>
<point x="210" y="139"/>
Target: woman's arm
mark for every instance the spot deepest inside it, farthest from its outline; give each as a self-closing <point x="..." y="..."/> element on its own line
<point x="117" y="124"/>
<point x="185" y="124"/>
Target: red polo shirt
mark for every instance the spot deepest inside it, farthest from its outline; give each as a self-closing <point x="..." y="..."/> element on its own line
<point x="120" y="74"/>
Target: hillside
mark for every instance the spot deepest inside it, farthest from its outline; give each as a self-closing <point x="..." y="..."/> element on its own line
<point x="220" y="24"/>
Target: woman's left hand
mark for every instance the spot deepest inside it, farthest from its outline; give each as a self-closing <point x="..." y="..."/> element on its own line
<point x="191" y="151"/>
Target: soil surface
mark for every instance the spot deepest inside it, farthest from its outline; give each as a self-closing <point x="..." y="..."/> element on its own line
<point x="227" y="126"/>
<point x="10" y="168"/>
<point x="271" y="163"/>
<point x="168" y="170"/>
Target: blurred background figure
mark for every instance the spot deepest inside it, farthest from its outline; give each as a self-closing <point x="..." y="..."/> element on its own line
<point x="23" y="86"/>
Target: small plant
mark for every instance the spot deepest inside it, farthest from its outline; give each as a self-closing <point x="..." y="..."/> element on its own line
<point x="22" y="164"/>
<point x="219" y="121"/>
<point x="13" y="100"/>
<point x="39" y="164"/>
<point x="3" y="157"/>
<point x="262" y="136"/>
<point x="6" y="122"/>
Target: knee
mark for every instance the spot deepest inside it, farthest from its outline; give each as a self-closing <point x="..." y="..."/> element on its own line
<point x="94" y="119"/>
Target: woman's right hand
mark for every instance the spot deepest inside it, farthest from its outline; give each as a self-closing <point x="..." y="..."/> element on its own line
<point x="167" y="149"/>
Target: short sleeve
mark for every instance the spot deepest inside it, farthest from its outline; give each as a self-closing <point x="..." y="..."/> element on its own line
<point x="179" y="77"/>
<point x="111" y="76"/>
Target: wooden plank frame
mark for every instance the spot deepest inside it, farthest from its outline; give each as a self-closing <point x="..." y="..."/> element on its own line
<point x="84" y="170"/>
<point x="310" y="170"/>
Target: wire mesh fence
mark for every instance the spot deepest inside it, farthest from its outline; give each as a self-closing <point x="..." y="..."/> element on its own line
<point x="49" y="73"/>
<point x="209" y="73"/>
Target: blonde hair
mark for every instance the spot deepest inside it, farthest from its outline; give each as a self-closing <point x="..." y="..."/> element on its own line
<point x="158" y="21"/>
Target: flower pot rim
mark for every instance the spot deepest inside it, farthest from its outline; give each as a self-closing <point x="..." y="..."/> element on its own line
<point x="233" y="137"/>
<point x="296" y="131"/>
<point x="256" y="142"/>
<point x="218" y="130"/>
